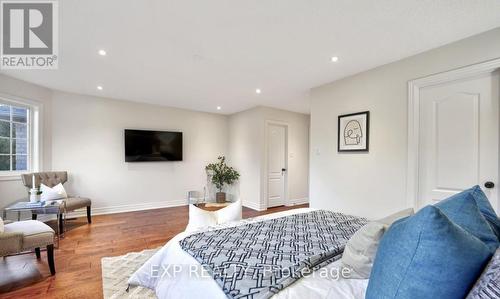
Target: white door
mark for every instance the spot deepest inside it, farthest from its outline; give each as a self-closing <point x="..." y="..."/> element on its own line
<point x="276" y="164"/>
<point x="458" y="138"/>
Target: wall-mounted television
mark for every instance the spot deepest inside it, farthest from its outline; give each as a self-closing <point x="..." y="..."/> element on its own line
<point x="145" y="146"/>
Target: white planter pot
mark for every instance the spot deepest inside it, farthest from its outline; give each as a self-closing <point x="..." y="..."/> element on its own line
<point x="35" y="197"/>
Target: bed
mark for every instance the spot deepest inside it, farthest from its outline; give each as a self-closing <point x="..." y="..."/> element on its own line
<point x="186" y="268"/>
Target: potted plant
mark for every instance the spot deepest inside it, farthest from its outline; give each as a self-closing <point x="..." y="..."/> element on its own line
<point x="220" y="175"/>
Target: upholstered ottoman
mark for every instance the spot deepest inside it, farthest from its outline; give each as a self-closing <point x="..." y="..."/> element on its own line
<point x="28" y="235"/>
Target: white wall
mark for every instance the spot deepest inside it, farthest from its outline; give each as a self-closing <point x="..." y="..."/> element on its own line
<point x="87" y="140"/>
<point x="374" y="184"/>
<point x="12" y="189"/>
<point x="84" y="135"/>
<point x="245" y="144"/>
<point x="247" y="148"/>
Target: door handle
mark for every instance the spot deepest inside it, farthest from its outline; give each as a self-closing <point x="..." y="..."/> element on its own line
<point x="489" y="185"/>
<point x="283" y="170"/>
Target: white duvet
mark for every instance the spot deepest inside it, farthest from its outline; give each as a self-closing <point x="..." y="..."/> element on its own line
<point x="182" y="280"/>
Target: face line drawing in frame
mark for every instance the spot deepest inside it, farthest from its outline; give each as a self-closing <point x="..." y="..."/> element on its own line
<point x="353" y="132"/>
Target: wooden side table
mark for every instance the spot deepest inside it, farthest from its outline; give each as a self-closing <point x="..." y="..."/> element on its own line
<point x="212" y="206"/>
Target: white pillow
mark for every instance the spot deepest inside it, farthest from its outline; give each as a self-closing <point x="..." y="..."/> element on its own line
<point x="389" y="220"/>
<point x="230" y="213"/>
<point x="361" y="249"/>
<point x="2" y="229"/>
<point x="199" y="218"/>
<point x="57" y="192"/>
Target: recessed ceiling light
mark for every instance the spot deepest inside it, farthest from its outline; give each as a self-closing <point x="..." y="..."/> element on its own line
<point x="335" y="59"/>
<point x="219" y="107"/>
<point x="99" y="87"/>
<point x="258" y="91"/>
<point x="102" y="52"/>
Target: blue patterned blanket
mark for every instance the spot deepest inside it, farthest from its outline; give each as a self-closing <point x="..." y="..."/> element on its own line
<point x="259" y="259"/>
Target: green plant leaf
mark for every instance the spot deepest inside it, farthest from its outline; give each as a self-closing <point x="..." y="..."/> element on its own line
<point x="221" y="174"/>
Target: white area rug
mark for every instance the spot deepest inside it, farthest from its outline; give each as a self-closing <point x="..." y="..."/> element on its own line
<point x="117" y="270"/>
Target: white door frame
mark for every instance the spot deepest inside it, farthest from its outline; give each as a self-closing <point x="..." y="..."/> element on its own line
<point x="414" y="87"/>
<point x="266" y="151"/>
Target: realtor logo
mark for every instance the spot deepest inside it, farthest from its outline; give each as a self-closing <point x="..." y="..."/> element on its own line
<point x="29" y="35"/>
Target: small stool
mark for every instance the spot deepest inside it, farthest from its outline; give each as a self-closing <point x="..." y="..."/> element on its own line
<point x="27" y="235"/>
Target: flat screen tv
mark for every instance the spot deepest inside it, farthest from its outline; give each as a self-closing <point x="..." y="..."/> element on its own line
<point x="144" y="146"/>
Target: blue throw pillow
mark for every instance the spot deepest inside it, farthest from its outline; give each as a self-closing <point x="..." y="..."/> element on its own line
<point x="463" y="210"/>
<point x="426" y="256"/>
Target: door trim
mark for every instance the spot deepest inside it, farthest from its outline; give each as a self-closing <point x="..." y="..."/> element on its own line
<point x="414" y="87"/>
<point x="266" y="151"/>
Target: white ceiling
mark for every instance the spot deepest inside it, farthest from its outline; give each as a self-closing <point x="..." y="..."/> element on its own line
<point x="203" y="54"/>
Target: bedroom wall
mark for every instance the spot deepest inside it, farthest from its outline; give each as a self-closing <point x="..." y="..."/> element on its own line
<point x="247" y="148"/>
<point x="11" y="188"/>
<point x="374" y="184"/>
<point x="245" y="155"/>
<point x="84" y="135"/>
<point x="87" y="139"/>
<point x="298" y="152"/>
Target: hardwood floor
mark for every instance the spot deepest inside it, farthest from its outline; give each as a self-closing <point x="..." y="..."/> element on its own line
<point x="78" y="258"/>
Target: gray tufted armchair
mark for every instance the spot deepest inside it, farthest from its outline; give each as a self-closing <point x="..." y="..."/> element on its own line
<point x="52" y="178"/>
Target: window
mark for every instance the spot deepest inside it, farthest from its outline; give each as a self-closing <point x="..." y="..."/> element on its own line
<point x="15" y="139"/>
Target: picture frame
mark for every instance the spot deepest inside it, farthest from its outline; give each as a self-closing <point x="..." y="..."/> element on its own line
<point x="353" y="132"/>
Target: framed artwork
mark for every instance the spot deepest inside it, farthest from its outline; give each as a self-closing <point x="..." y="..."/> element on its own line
<point x="353" y="132"/>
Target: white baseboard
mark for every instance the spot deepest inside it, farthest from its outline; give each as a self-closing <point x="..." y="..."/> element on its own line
<point x="297" y="201"/>
<point x="114" y="209"/>
<point x="127" y="208"/>
<point x="291" y="202"/>
<point x="253" y="206"/>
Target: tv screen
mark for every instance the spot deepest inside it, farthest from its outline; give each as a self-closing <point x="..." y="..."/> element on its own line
<point x="141" y="145"/>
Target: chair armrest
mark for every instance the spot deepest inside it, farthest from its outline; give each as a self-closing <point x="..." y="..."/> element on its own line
<point x="10" y="243"/>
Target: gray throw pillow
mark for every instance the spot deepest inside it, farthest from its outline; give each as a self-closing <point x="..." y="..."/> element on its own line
<point x="488" y="284"/>
<point x="360" y="250"/>
<point x="396" y="216"/>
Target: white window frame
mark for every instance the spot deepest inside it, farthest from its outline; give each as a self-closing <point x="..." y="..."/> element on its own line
<point x="34" y="123"/>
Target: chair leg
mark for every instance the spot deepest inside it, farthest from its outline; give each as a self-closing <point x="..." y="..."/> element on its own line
<point x="61" y="224"/>
<point x="89" y="217"/>
<point x="37" y="252"/>
<point x="33" y="216"/>
<point x="50" y="258"/>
